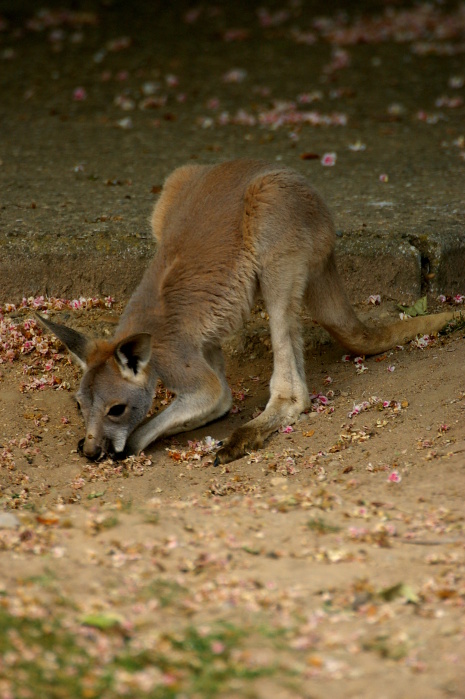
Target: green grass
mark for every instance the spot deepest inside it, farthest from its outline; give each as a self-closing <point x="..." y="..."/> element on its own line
<point x="318" y="525"/>
<point x="168" y="592"/>
<point x="41" y="659"/>
<point x="51" y="659"/>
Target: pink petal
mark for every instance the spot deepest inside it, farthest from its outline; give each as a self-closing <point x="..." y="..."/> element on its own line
<point x="329" y="159"/>
<point x="79" y="94"/>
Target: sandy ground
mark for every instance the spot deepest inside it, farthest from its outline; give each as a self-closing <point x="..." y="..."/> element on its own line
<point x="346" y="533"/>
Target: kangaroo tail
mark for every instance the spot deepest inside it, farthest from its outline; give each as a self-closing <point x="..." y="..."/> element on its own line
<point x="329" y="306"/>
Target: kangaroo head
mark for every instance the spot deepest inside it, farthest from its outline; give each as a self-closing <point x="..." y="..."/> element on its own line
<point x="116" y="389"/>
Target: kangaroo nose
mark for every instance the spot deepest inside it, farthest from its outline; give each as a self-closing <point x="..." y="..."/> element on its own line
<point x="90" y="448"/>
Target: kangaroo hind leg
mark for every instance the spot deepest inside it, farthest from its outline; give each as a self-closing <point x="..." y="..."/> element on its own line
<point x="328" y="305"/>
<point x="282" y="293"/>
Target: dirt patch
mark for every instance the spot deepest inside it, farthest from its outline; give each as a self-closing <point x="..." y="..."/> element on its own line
<point x="331" y="561"/>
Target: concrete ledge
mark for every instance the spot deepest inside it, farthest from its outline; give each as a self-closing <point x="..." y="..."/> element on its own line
<point x="72" y="269"/>
<point x="443" y="260"/>
<point x="397" y="268"/>
<point x="370" y="264"/>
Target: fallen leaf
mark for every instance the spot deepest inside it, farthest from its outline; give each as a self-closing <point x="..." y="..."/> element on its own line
<point x="102" y="621"/>
<point x="399" y="590"/>
<point x="419" y="308"/>
<point x="48" y="518"/>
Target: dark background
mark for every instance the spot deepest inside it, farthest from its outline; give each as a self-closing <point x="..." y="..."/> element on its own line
<point x="100" y="101"/>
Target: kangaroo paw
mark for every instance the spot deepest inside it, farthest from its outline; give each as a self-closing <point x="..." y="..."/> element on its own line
<point x="240" y="443"/>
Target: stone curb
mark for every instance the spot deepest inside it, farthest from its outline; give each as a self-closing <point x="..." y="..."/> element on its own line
<point x="398" y="268"/>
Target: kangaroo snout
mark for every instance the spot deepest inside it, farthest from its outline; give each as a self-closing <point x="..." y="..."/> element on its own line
<point x="89" y="447"/>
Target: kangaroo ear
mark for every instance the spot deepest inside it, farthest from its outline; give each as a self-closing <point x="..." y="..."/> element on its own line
<point x="78" y="344"/>
<point x="133" y="354"/>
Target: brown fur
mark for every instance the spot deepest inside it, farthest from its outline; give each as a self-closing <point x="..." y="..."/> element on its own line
<point x="225" y="234"/>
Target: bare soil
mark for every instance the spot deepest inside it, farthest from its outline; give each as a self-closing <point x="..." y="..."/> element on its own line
<point x="346" y="533"/>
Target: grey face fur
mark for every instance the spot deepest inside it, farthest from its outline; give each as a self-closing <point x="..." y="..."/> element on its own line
<point x="111" y="409"/>
<point x="116" y="390"/>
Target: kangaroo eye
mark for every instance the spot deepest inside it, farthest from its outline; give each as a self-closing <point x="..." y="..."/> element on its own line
<point x="116" y="410"/>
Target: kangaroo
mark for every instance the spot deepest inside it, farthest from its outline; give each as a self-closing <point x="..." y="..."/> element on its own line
<point x="225" y="233"/>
